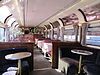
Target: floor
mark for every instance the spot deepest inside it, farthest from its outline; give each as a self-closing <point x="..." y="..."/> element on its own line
<point x="42" y="65"/>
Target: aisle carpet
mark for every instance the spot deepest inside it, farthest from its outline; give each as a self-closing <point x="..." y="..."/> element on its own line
<point x="39" y="61"/>
<point x="42" y="66"/>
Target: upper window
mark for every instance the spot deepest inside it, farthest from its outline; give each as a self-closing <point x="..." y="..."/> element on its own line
<point x="55" y="24"/>
<point x="70" y="20"/>
<point x="93" y="34"/>
<point x="69" y="33"/>
<point x="48" y="26"/>
<point x="92" y="13"/>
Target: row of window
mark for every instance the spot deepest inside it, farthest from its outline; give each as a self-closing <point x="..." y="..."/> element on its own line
<point x="92" y="36"/>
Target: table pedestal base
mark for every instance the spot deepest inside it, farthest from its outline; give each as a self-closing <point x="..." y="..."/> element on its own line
<point x="81" y="72"/>
<point x="19" y="66"/>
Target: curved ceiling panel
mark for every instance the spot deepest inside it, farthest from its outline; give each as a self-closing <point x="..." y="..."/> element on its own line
<point x="10" y="21"/>
<point x="38" y="11"/>
<point x="14" y="24"/>
<point x="4" y="13"/>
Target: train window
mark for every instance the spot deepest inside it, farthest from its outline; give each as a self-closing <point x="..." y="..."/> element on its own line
<point x="45" y="33"/>
<point x="2" y="34"/>
<point x="70" y="23"/>
<point x="92" y="13"/>
<point x="49" y="34"/>
<point x="93" y="34"/>
<point x="55" y="24"/>
<point x="55" y="36"/>
<point x="69" y="33"/>
<point x="56" y="33"/>
<point x="71" y="19"/>
<point x="10" y="21"/>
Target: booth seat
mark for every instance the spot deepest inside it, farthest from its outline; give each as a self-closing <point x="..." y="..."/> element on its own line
<point x="93" y="68"/>
<point x="47" y="47"/>
<point x="36" y="41"/>
<point x="68" y="61"/>
<point x="40" y="44"/>
<point x="41" y="41"/>
<point x="5" y="64"/>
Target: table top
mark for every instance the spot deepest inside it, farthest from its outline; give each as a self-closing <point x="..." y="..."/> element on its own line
<point x="81" y="52"/>
<point x="17" y="56"/>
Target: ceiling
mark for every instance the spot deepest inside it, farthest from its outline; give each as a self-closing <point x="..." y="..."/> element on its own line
<point x="31" y="13"/>
<point x="38" y="11"/>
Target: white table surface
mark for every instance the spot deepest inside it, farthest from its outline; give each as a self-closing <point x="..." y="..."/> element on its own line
<point x="19" y="55"/>
<point x="82" y="52"/>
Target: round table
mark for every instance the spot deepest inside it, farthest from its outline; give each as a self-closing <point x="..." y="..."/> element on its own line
<point x="81" y="52"/>
<point x="18" y="56"/>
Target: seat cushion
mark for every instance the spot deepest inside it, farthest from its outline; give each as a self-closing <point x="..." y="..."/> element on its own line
<point x="25" y="67"/>
<point x="12" y="69"/>
<point x="3" y="68"/>
<point x="68" y="66"/>
<point x="69" y="61"/>
<point x="92" y="69"/>
<point x="10" y="73"/>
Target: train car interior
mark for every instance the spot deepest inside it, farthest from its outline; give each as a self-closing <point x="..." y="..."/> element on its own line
<point x="49" y="37"/>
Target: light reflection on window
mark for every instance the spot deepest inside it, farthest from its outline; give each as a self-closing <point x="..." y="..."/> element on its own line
<point x="93" y="34"/>
<point x="2" y="34"/>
